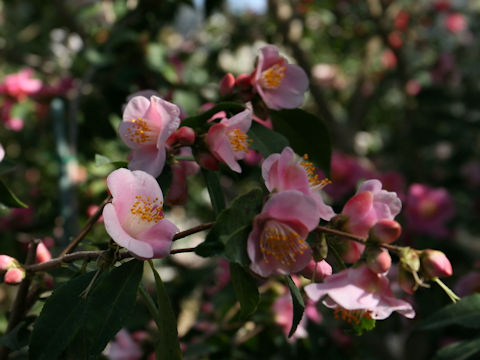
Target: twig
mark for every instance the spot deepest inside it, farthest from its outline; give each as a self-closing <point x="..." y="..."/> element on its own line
<point x="193" y="230"/>
<point x="87" y="227"/>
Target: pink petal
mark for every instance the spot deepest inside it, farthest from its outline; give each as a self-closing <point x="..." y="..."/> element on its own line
<point x="242" y="121"/>
<point x="148" y="159"/>
<point x="135" y="108"/>
<point x="159" y="236"/>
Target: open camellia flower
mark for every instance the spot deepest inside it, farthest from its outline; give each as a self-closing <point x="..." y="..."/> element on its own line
<point x="146" y="126"/>
<point x="359" y="292"/>
<point x="279" y="84"/>
<point x="228" y="140"/>
<point x="134" y="219"/>
<point x="286" y="171"/>
<point x="277" y="243"/>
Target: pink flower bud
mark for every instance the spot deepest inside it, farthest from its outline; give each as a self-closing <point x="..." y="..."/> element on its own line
<point x="243" y="81"/>
<point x="378" y="260"/>
<point x="7" y="262"/>
<point x="226" y="85"/>
<point x="323" y="269"/>
<point x="406" y="281"/>
<point x="386" y="231"/>
<point x="207" y="161"/>
<point x="185" y="135"/>
<point x="43" y="254"/>
<point x="14" y="276"/>
<point x="435" y="263"/>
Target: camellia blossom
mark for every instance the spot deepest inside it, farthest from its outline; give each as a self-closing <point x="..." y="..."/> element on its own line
<point x="21" y="84"/>
<point x="146" y="126"/>
<point x="286" y="171"/>
<point x="228" y="140"/>
<point x="279" y="84"/>
<point x="277" y="242"/>
<point x="359" y="292"/>
<point x="134" y="219"/>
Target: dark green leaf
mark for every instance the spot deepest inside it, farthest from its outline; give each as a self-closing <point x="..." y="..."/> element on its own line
<point x="17" y="338"/>
<point x="109" y="303"/>
<point x="461" y="350"/>
<point x="245" y="288"/>
<point x="306" y="133"/>
<point x="168" y="345"/>
<point x="214" y="190"/>
<point x="8" y="198"/>
<point x="60" y="320"/>
<point x="266" y="141"/>
<point x="466" y="312"/>
<point x="201" y="120"/>
<point x="238" y="215"/>
<point x="298" y="305"/>
<point x="165" y="179"/>
<point x="236" y="246"/>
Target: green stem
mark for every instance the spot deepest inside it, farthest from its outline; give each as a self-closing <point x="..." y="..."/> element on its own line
<point x="454" y="297"/>
<point x="184" y="158"/>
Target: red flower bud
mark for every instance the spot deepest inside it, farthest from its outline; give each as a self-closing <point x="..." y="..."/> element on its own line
<point x="226" y="85"/>
<point x="243" y="81"/>
<point x="207" y="161"/>
<point x="323" y="269"/>
<point x="406" y="281"/>
<point x="14" y="276"/>
<point x="435" y="264"/>
<point x="378" y="260"/>
<point x="185" y="135"/>
<point x="386" y="231"/>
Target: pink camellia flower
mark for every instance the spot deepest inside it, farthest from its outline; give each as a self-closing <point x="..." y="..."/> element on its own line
<point x="21" y="84"/>
<point x="228" y="140"/>
<point x="428" y="209"/>
<point x="123" y="347"/>
<point x="286" y="171"/>
<point x="279" y="84"/>
<point x="146" y="126"/>
<point x="178" y="192"/>
<point x="134" y="219"/>
<point x="277" y="243"/>
<point x="455" y="23"/>
<point x="359" y="292"/>
<point x="14" y="276"/>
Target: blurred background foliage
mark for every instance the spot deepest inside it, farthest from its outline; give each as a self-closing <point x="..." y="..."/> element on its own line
<point x="396" y="82"/>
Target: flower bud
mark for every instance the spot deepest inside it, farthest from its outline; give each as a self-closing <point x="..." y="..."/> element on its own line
<point x="14" y="276"/>
<point x="407" y="281"/>
<point x="226" y="85"/>
<point x="320" y="270"/>
<point x="386" y="231"/>
<point x="435" y="264"/>
<point x="185" y="135"/>
<point x="207" y="161"/>
<point x="243" y="81"/>
<point x="409" y="259"/>
<point x="8" y="262"/>
<point x="378" y="259"/>
<point x="43" y="254"/>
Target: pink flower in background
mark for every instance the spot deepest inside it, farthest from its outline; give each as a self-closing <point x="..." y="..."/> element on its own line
<point x="14" y="123"/>
<point x="393" y="181"/>
<point x="2" y="153"/>
<point x="123" y="347"/>
<point x="455" y="22"/>
<point x="178" y="192"/>
<point x="468" y="284"/>
<point x="277" y="243"/>
<point x="286" y="171"/>
<point x="279" y="84"/>
<point x="134" y="219"/>
<point x="362" y="290"/>
<point x="228" y="140"/>
<point x="428" y="209"/>
<point x="21" y="84"/>
<point x="146" y="126"/>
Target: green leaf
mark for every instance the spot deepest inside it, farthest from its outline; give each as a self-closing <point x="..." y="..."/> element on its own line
<point x="266" y="141"/>
<point x="7" y="166"/>
<point x="214" y="190"/>
<point x="165" y="179"/>
<point x="306" y="133"/>
<point x="8" y="198"/>
<point x="460" y="350"/>
<point x="101" y="160"/>
<point x="109" y="304"/>
<point x="201" y="120"/>
<point x="168" y="345"/>
<point x="298" y="305"/>
<point x="236" y="246"/>
<point x="60" y="320"/>
<point x="238" y="215"/>
<point x="245" y="288"/>
<point x="466" y="312"/>
<point x="17" y="338"/>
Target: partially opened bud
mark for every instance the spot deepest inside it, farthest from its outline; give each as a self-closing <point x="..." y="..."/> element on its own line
<point x="320" y="270"/>
<point x="407" y="281"/>
<point x="243" y="81"/>
<point x="185" y="135"/>
<point x="226" y="85"/>
<point x="378" y="260"/>
<point x="386" y="231"/>
<point x="207" y="161"/>
<point x="8" y="262"/>
<point x="14" y="276"/>
<point x="435" y="264"/>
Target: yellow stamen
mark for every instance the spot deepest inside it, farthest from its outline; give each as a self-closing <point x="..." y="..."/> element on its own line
<point x="281" y="242"/>
<point x="138" y="132"/>
<point x="273" y="76"/>
<point x="239" y="140"/>
<point x="147" y="210"/>
<point x="313" y="177"/>
<point x="350" y="316"/>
